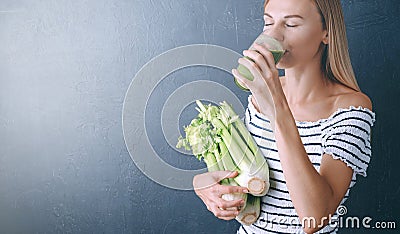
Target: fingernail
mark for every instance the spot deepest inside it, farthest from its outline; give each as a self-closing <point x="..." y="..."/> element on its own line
<point x="245" y="191"/>
<point x="242" y="203"/>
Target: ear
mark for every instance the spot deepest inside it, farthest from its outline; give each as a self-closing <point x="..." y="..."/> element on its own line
<point x="325" y="38"/>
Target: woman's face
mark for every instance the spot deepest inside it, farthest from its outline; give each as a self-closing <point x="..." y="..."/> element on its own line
<point x="297" y="25"/>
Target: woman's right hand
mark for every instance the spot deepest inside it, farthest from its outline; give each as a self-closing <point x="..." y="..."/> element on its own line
<point x="207" y="186"/>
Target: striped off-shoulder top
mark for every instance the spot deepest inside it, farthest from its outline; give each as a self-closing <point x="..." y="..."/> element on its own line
<point x="345" y="135"/>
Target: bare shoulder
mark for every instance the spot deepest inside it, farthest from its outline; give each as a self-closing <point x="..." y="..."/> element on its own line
<point x="353" y="98"/>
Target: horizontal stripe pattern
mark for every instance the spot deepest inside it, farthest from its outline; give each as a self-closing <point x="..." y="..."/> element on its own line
<point x="345" y="135"/>
<point x="265" y="226"/>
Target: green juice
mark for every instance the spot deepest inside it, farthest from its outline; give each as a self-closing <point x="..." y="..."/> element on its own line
<point x="274" y="46"/>
<point x="247" y="74"/>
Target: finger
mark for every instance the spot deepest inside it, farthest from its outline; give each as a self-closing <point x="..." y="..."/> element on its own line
<point x="225" y="189"/>
<point x="252" y="85"/>
<point x="252" y="66"/>
<point x="224" y="213"/>
<point x="231" y="205"/>
<point x="267" y="55"/>
<point x="243" y="81"/>
<point x="270" y="70"/>
<point x="220" y="190"/>
<point x="210" y="179"/>
<point x="234" y="208"/>
<point x="228" y="218"/>
<point x="232" y="174"/>
<point x="238" y="80"/>
<point x="203" y="181"/>
<point x="220" y="175"/>
<point x="259" y="58"/>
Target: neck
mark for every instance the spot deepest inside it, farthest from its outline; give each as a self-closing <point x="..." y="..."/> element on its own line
<point x="303" y="84"/>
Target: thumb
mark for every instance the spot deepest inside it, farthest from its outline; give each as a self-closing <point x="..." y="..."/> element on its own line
<point x="220" y="175"/>
<point x="240" y="78"/>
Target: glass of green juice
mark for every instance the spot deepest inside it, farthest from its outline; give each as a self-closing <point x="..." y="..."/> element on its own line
<point x="272" y="44"/>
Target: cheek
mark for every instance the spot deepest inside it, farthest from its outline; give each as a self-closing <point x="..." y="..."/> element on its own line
<point x="304" y="45"/>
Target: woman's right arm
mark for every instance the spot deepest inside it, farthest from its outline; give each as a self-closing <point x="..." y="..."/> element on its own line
<point x="207" y="186"/>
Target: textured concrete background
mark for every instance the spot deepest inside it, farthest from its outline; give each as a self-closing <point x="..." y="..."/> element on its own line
<point x="65" y="67"/>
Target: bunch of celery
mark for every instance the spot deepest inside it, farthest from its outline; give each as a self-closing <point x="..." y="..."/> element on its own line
<point x="219" y="137"/>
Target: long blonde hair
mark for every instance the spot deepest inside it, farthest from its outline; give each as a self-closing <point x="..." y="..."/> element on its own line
<point x="335" y="61"/>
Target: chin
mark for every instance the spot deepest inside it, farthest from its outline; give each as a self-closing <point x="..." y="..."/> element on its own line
<point x="282" y="65"/>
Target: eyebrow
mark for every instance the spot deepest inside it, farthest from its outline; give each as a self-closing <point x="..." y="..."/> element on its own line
<point x="287" y="16"/>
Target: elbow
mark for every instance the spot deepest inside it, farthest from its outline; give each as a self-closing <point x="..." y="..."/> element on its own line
<point x="309" y="230"/>
<point x="316" y="217"/>
<point x="314" y="223"/>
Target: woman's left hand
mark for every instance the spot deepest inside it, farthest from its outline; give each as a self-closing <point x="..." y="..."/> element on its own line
<point x="266" y="88"/>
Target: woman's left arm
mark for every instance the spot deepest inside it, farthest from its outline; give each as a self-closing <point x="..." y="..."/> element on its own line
<point x="315" y="195"/>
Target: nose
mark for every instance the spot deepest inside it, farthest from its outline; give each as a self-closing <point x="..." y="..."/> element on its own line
<point x="275" y="31"/>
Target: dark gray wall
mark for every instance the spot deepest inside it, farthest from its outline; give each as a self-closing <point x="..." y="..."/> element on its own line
<point x="65" y="67"/>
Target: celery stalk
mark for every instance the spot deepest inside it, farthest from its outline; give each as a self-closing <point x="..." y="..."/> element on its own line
<point x="224" y="155"/>
<point x="251" y="212"/>
<point x="211" y="162"/>
<point x="237" y="154"/>
<point x="218" y="158"/>
<point x="219" y="137"/>
<point x="227" y="159"/>
<point x="259" y="167"/>
<point x="241" y="128"/>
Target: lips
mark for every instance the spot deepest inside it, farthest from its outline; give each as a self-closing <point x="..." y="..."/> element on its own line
<point x="286" y="51"/>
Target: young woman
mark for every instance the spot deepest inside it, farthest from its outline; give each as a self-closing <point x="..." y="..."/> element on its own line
<point x="313" y="125"/>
